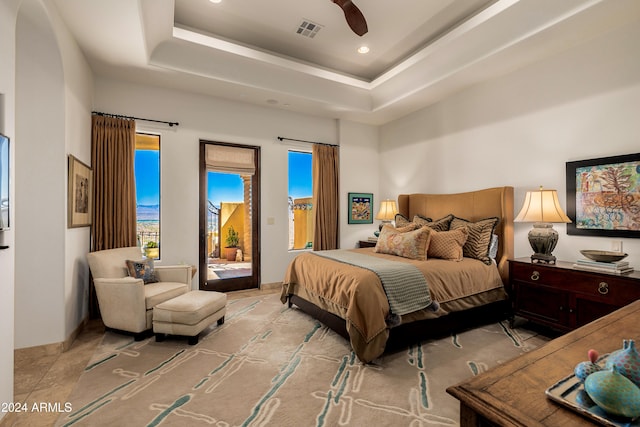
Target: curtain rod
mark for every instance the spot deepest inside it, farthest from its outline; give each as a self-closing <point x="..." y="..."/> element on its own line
<point x="120" y="116"/>
<point x="282" y="138"/>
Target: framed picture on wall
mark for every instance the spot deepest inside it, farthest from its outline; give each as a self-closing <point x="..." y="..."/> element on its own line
<point x="603" y="196"/>
<point x="360" y="208"/>
<point x="79" y="187"/>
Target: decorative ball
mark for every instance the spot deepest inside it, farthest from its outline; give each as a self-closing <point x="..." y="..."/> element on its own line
<point x="584" y="369"/>
<point x="614" y="393"/>
<point x="626" y="361"/>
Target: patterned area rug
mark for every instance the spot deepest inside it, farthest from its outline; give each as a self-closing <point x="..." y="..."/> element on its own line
<point x="269" y="365"/>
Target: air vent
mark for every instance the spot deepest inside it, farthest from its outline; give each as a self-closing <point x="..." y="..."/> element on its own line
<point x="308" y="29"/>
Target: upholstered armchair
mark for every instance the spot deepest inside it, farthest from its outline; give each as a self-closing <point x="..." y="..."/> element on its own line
<point x="126" y="303"/>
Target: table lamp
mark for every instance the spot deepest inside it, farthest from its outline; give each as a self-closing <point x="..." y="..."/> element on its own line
<point x="386" y="213"/>
<point x="542" y="207"/>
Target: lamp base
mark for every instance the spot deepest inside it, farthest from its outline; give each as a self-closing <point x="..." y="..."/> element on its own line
<point x="543" y="259"/>
<point x="543" y="239"/>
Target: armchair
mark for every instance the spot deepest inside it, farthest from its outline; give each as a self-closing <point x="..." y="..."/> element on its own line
<point x="126" y="303"/>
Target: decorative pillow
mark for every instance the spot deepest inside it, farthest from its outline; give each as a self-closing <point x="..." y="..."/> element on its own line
<point x="493" y="246"/>
<point x="479" y="239"/>
<point x="142" y="269"/>
<point x="447" y="244"/>
<point x="421" y="220"/>
<point x="409" y="227"/>
<point x="441" y="224"/>
<point x="411" y="244"/>
<point x="401" y="220"/>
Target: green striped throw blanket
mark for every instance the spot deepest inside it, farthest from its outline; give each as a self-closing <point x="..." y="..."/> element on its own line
<point x="405" y="286"/>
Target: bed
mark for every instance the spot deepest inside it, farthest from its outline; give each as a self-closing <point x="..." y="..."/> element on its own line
<point x="354" y="300"/>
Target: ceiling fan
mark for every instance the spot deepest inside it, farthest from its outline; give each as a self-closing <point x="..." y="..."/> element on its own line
<point x="354" y="17"/>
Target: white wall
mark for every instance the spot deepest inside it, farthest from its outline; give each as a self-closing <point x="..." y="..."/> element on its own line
<point x="40" y="187"/>
<point x="520" y="129"/>
<point x="8" y="12"/>
<point x="358" y="174"/>
<point x="208" y="118"/>
<point x="53" y="100"/>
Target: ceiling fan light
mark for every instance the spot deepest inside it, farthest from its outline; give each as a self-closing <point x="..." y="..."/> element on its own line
<point x="363" y="49"/>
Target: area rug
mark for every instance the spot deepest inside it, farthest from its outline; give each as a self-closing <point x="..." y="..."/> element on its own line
<point x="270" y="365"/>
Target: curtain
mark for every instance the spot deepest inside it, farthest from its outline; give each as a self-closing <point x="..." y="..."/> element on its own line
<point x="112" y="157"/>
<point x="325" y="171"/>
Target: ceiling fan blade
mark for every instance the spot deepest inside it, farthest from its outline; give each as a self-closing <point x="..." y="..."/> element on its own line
<point x="354" y="17"/>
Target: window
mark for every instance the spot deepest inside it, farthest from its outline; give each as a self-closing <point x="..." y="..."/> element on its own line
<point x="300" y="200"/>
<point x="147" y="175"/>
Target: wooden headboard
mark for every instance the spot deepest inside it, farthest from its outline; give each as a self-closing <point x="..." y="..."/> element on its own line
<point x="472" y="206"/>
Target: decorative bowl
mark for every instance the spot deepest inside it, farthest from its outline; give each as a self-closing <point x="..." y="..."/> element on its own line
<point x="603" y="256"/>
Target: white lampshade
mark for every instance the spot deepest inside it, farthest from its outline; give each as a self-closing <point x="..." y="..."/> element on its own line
<point x="388" y="210"/>
<point x="542" y="206"/>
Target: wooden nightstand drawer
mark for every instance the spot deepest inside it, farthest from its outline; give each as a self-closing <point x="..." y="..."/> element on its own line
<point x="564" y="297"/>
<point x="614" y="289"/>
<point x="533" y="273"/>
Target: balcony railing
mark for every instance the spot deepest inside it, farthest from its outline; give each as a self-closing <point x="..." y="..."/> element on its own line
<point x="145" y="236"/>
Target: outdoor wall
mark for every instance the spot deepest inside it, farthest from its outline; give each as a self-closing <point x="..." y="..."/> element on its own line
<point x="302" y="222"/>
<point x="231" y="215"/>
<point x="521" y="129"/>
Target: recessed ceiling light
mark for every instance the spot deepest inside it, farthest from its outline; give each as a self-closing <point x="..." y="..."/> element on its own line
<point x="363" y="49"/>
<point x="215" y="1"/>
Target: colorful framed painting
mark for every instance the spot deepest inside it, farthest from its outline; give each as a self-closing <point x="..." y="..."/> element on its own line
<point x="603" y="196"/>
<point x="360" y="208"/>
<point x="79" y="198"/>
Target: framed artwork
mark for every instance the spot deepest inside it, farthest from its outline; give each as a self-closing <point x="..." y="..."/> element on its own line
<point x="360" y="208"/>
<point x="603" y="196"/>
<point x="79" y="187"/>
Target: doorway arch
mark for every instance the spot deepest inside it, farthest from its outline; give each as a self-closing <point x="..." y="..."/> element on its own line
<point x="40" y="177"/>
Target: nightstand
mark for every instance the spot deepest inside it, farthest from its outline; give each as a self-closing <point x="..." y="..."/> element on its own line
<point x="366" y="244"/>
<point x="563" y="297"/>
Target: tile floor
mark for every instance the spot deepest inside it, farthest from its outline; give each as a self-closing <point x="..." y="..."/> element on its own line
<point x="45" y="375"/>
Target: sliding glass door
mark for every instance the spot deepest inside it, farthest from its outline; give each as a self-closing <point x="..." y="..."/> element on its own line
<point x="229" y="216"/>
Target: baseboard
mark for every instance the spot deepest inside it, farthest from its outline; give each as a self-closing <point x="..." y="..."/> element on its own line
<point x="51" y="349"/>
<point x="275" y="285"/>
<point x="66" y="344"/>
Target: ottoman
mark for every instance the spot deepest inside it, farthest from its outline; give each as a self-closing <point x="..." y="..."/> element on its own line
<point x="189" y="314"/>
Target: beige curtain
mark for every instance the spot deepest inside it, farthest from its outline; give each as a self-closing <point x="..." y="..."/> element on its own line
<point x="325" y="196"/>
<point x="113" y="145"/>
<point x="112" y="155"/>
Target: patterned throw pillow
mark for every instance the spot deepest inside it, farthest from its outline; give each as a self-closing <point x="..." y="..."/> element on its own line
<point x="142" y="269"/>
<point x="411" y="244"/>
<point x="401" y="220"/>
<point x="441" y="224"/>
<point x="479" y="239"/>
<point x="422" y="220"/>
<point x="409" y="227"/>
<point x="447" y="244"/>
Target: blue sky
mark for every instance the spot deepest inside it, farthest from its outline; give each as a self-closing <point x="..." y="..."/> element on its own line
<point x="147" y="183"/>
<point x="222" y="186"/>
<point x="300" y="174"/>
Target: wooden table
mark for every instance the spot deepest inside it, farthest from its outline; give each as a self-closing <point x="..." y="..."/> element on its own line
<point x="513" y="394"/>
